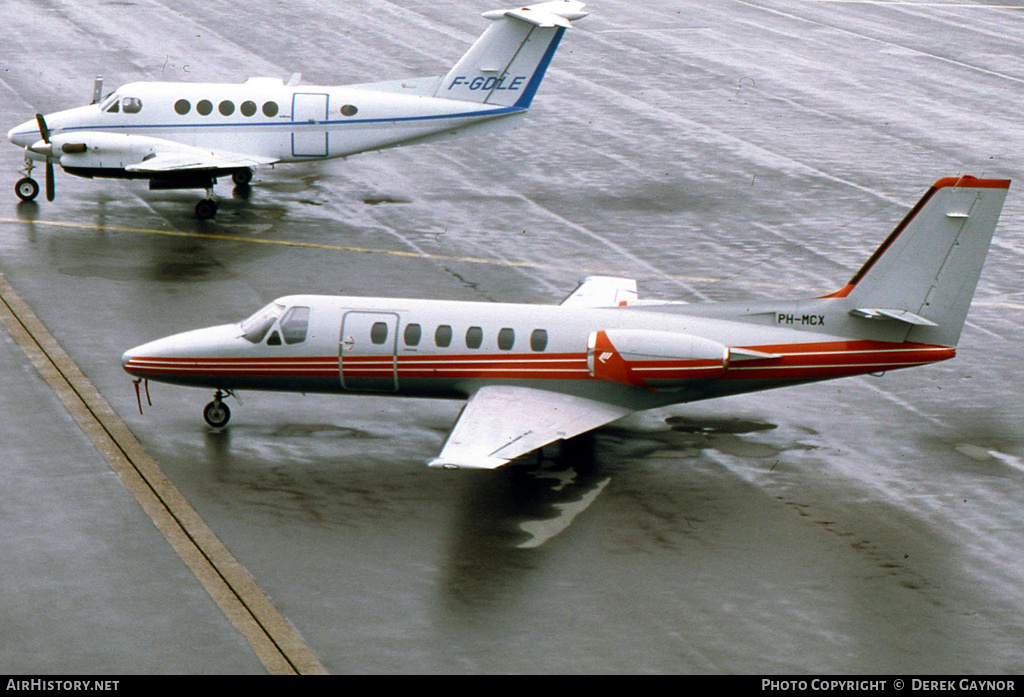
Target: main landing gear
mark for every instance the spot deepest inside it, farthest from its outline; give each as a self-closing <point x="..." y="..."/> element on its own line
<point x="206" y="209"/>
<point x="216" y="413"/>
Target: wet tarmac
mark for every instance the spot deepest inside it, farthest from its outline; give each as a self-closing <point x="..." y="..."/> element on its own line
<point x="710" y="150"/>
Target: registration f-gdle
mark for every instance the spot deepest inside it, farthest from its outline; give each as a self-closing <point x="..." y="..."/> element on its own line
<point x="181" y="135"/>
<point x="535" y="374"/>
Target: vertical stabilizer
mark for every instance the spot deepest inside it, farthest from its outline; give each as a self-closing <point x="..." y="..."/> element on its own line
<point x="507" y="63"/>
<point x="925" y="273"/>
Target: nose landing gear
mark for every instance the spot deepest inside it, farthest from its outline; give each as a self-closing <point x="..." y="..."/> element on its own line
<point x="216" y="413"/>
<point x="27" y="188"/>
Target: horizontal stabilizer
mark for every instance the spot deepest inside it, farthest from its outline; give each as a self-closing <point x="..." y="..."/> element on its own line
<point x="603" y="291"/>
<point x="898" y="315"/>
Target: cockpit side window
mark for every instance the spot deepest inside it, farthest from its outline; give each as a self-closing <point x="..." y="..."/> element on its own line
<point x="295" y="325"/>
<point x="256" y="327"/>
<point x="132" y="105"/>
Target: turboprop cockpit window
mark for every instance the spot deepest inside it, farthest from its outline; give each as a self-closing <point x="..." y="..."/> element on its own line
<point x="295" y="324"/>
<point x="257" y="326"/>
<point x="132" y="105"/>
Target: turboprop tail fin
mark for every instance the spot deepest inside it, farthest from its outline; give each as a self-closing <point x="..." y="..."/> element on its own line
<point x="507" y="63"/>
<point x="925" y="273"/>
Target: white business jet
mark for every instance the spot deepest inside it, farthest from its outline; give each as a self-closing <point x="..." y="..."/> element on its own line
<point x="182" y="135"/>
<point x="535" y="374"/>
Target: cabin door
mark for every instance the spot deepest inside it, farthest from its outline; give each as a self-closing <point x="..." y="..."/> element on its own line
<point x="367" y="351"/>
<point x="309" y="112"/>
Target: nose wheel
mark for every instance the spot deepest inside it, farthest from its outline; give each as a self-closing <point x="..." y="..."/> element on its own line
<point x="216" y="413"/>
<point x="27" y="189"/>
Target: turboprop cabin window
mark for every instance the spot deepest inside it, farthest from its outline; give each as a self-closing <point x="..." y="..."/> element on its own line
<point x="256" y="326"/>
<point x="204" y="107"/>
<point x="247" y="108"/>
<point x="182" y="106"/>
<point x="226" y="108"/>
<point x="474" y="337"/>
<point x="539" y="340"/>
<point x="295" y="325"/>
<point x="270" y="108"/>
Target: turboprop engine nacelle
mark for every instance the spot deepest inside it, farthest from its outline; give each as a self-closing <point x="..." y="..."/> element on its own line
<point x="653" y="359"/>
<point x="93" y="149"/>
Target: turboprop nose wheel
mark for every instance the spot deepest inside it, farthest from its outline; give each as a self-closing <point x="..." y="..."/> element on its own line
<point x="216" y="413"/>
<point x="27" y="189"/>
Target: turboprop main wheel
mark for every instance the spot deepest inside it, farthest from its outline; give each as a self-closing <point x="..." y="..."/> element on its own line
<point x="27" y="189"/>
<point x="217" y="414"/>
<point x="206" y="209"/>
<point x="242" y="177"/>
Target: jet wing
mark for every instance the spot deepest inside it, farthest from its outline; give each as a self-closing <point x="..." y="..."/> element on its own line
<point x="500" y="423"/>
<point x="603" y="291"/>
<point x="178" y="159"/>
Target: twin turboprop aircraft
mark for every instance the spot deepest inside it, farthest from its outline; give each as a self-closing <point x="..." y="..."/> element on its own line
<point x="537" y="374"/>
<point x="181" y="135"/>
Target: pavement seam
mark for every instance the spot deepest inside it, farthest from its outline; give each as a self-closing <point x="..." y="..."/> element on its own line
<point x="276" y="643"/>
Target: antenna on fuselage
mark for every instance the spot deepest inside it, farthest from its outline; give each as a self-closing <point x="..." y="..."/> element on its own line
<point x="97" y="89"/>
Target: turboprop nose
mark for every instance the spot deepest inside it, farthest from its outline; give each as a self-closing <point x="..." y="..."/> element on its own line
<point x="24" y="134"/>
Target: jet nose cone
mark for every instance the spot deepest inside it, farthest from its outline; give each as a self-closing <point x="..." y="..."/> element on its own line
<point x="126" y="361"/>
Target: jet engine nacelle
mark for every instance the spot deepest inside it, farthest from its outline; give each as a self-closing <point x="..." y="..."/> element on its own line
<point x="652" y="358"/>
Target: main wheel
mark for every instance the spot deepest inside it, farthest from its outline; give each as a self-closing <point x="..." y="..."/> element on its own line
<point x="242" y="177"/>
<point x="206" y="209"/>
<point x="217" y="414"/>
<point x="27" y="189"/>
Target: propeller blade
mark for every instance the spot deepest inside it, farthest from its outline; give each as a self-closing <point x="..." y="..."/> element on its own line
<point x="49" y="179"/>
<point x="44" y="130"/>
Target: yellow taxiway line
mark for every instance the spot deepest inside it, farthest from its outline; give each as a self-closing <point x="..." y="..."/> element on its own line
<point x="343" y="249"/>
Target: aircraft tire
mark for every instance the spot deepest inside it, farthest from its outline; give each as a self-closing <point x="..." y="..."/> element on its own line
<point x="217" y="414"/>
<point x="242" y="177"/>
<point x="27" y="189"/>
<point x="206" y="209"/>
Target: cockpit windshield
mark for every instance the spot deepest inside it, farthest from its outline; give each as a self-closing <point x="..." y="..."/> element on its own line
<point x="256" y="327"/>
<point x="107" y="101"/>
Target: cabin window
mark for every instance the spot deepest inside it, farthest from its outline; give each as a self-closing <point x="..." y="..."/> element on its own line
<point x="349" y="110"/>
<point x="506" y="339"/>
<point x="182" y="106"/>
<point x="413" y="332"/>
<point x="379" y="332"/>
<point x="132" y="105"/>
<point x="539" y="340"/>
<point x="474" y="337"/>
<point x="204" y="107"/>
<point x="248" y="108"/>
<point x="295" y="325"/>
<point x="270" y="109"/>
<point x="257" y="325"/>
<point x="226" y="108"/>
<point x="443" y="336"/>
